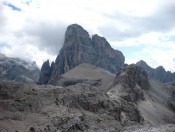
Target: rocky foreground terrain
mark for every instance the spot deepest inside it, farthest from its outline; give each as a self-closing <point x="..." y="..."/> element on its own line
<point x="89" y="99"/>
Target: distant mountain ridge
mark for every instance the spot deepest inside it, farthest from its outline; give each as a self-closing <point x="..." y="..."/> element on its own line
<point x="158" y="74"/>
<point x="16" y="69"/>
<point x="79" y="48"/>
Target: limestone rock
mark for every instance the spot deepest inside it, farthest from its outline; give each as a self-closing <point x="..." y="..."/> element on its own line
<point x="46" y="71"/>
<point x="130" y="83"/>
<point x="79" y="107"/>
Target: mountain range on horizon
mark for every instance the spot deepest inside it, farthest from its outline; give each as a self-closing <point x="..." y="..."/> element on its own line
<point x="16" y="69"/>
<point x="78" y="48"/>
<point x="158" y="74"/>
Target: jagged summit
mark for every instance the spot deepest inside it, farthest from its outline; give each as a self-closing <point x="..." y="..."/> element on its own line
<point x="158" y="74"/>
<point x="75" y="29"/>
<point x="142" y="63"/>
<point x="75" y="33"/>
<point x="79" y="48"/>
<point x="46" y="72"/>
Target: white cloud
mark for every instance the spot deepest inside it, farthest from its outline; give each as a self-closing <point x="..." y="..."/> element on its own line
<point x="156" y="51"/>
<point x="36" y="32"/>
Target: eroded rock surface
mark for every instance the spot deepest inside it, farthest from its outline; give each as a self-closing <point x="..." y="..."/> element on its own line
<point x="130" y="83"/>
<point x="79" y="107"/>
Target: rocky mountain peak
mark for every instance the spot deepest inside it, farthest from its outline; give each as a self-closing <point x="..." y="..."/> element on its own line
<point x="79" y="48"/>
<point x="45" y="73"/>
<point x="160" y="68"/>
<point x="142" y="63"/>
<point x="76" y="29"/>
<point x="75" y="34"/>
<point x="158" y="74"/>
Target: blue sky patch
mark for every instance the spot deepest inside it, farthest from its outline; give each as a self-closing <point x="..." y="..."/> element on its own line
<point x="172" y="38"/>
<point x="13" y="7"/>
<point x="129" y="51"/>
<point x="27" y="2"/>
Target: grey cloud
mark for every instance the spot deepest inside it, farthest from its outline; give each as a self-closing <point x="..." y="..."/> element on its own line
<point x="161" y="21"/>
<point x="113" y="33"/>
<point x="46" y="36"/>
<point x="174" y="59"/>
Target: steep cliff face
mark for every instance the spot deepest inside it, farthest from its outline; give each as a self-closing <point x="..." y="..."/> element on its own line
<point x="46" y="71"/>
<point x="16" y="69"/>
<point x="80" y="48"/>
<point x="76" y="42"/>
<point x="158" y="74"/>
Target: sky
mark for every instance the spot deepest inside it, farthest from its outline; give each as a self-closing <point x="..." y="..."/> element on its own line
<point x="142" y="29"/>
